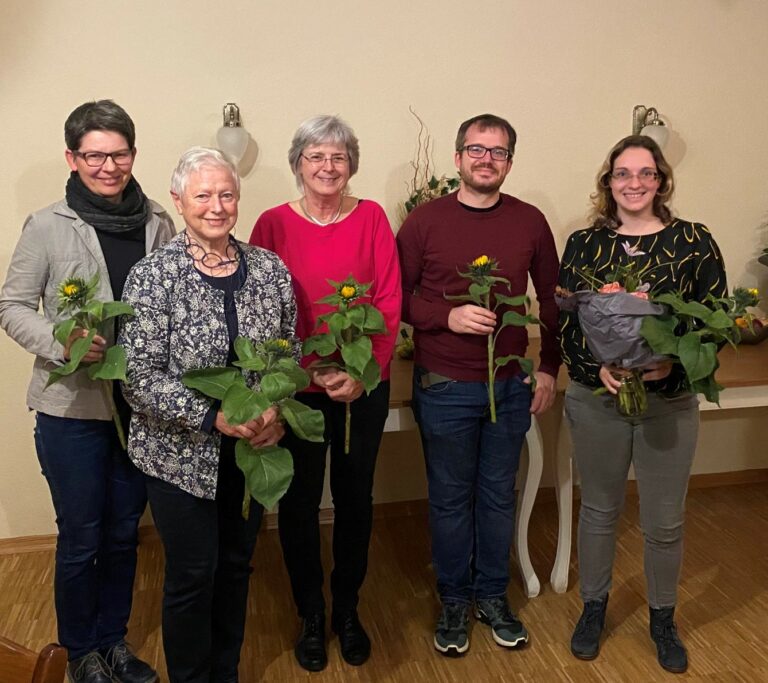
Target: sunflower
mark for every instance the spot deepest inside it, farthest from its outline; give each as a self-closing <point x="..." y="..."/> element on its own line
<point x="73" y="293"/>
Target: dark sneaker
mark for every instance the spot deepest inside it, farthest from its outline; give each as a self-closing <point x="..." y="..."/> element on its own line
<point x="669" y="648"/>
<point x="451" y="632"/>
<point x="90" y="668"/>
<point x="127" y="667"/>
<point x="353" y="640"/>
<point x="585" y="641"/>
<point x="506" y="628"/>
<point x="310" y="647"/>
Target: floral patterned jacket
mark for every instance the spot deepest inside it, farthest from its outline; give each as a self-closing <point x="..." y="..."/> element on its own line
<point x="180" y="325"/>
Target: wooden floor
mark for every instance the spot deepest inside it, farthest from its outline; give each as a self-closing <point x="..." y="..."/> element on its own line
<point x="722" y="615"/>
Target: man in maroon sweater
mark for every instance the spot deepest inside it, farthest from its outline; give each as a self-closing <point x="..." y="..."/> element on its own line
<point x="471" y="461"/>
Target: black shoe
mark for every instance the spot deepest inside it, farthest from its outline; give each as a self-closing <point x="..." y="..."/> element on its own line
<point x="585" y="641"/>
<point x="669" y="648"/>
<point x="310" y="647"/>
<point x="90" y="668"/>
<point x="127" y="667"/>
<point x="353" y="640"/>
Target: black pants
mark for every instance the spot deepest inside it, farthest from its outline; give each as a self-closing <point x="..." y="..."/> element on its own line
<point x="208" y="548"/>
<point x="351" y="487"/>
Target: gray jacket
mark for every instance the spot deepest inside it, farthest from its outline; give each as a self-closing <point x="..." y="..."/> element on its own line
<point x="55" y="244"/>
<point x="180" y="325"/>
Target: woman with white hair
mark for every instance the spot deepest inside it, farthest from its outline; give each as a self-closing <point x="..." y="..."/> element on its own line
<point x="329" y="234"/>
<point x="192" y="299"/>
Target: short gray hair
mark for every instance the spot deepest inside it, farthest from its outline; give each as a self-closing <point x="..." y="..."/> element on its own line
<point x="323" y="129"/>
<point x="193" y="160"/>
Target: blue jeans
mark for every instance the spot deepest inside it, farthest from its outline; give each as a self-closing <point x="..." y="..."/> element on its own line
<point x="471" y="469"/>
<point x="98" y="496"/>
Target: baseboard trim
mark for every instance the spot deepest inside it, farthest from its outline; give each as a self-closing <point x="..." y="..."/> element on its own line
<point x="405" y="508"/>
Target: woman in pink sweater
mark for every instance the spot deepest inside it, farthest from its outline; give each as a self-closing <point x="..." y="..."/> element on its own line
<point x="329" y="234"/>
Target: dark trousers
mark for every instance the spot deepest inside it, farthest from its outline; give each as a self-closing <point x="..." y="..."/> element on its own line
<point x="208" y="548"/>
<point x="98" y="496"/>
<point x="351" y="488"/>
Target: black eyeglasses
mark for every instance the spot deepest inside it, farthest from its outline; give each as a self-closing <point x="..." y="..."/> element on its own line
<point x="479" y="151"/>
<point x="123" y="157"/>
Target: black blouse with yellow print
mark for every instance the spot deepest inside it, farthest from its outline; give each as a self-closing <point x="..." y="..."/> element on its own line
<point x="683" y="257"/>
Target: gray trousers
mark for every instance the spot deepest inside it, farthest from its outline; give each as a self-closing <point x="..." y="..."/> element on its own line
<point x="661" y="445"/>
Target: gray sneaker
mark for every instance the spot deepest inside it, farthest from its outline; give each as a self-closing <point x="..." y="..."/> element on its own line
<point x="506" y="628"/>
<point x="451" y="637"/>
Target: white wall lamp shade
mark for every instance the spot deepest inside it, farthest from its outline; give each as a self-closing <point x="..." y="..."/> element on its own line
<point x="646" y="121"/>
<point x="232" y="138"/>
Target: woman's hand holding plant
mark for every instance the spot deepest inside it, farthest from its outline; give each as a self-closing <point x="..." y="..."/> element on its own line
<point x="95" y="353"/>
<point x="265" y="430"/>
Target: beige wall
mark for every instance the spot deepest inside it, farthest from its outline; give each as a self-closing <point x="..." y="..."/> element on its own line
<point x="565" y="73"/>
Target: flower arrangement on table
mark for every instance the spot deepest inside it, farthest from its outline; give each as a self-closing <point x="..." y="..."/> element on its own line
<point x="347" y="343"/>
<point x="88" y="314"/>
<point x="268" y="470"/>
<point x="628" y="326"/>
<point x="483" y="292"/>
<point x="425" y="186"/>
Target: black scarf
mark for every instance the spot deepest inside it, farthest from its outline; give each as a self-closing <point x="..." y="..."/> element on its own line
<point x="130" y="213"/>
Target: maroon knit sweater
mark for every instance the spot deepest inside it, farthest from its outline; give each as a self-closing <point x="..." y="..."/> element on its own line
<point x="442" y="236"/>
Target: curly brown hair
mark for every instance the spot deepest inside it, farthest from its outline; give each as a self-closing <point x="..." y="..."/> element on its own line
<point x="604" y="214"/>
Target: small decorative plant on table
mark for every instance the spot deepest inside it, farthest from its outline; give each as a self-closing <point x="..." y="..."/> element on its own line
<point x="347" y="343"/>
<point x="76" y="297"/>
<point x="425" y="186"/>
<point x="268" y="470"/>
<point x="690" y="333"/>
<point x="482" y="292"/>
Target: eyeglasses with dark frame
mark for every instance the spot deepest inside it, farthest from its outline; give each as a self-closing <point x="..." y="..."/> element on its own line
<point x="122" y="157"/>
<point x="479" y="151"/>
<point x="316" y="159"/>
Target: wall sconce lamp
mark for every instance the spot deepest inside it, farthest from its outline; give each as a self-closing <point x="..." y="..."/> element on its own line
<point x="646" y="121"/>
<point x="232" y="138"/>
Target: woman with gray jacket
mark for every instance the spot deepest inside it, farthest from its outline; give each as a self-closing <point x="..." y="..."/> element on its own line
<point x="104" y="226"/>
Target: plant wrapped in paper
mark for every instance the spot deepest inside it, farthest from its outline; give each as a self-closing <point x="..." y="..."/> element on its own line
<point x="611" y="312"/>
<point x="482" y="292"/>
<point x="268" y="470"/>
<point x="691" y="332"/>
<point x="76" y="298"/>
<point x="347" y="343"/>
<point x="611" y="320"/>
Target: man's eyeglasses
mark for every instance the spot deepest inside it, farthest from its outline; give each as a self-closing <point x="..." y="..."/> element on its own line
<point x="479" y="151"/>
<point x="317" y="159"/>
<point x="123" y="157"/>
<point x="646" y="176"/>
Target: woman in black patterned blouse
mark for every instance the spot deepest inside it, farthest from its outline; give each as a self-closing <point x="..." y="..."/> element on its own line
<point x="631" y="219"/>
<point x="192" y="299"/>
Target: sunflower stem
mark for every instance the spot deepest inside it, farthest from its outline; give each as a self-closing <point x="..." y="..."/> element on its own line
<point x="106" y="386"/>
<point x="347" y="427"/>
<point x="491" y="391"/>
